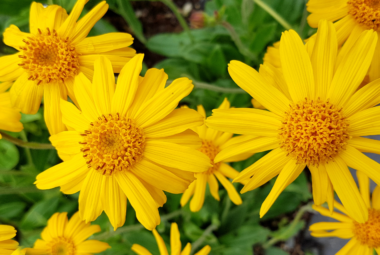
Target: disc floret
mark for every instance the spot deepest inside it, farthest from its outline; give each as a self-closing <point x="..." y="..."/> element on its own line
<point x="366" y="13"/>
<point x="61" y="246"/>
<point x="211" y="150"/>
<point x="368" y="233"/>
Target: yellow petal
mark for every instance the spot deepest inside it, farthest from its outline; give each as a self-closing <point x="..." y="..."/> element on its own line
<point x="363" y="181"/>
<point x="62" y="173"/>
<point x="9" y="68"/>
<point x="7" y="232"/>
<point x="365" y="122"/>
<point x="188" y="193"/>
<point x="103" y="43"/>
<point x="204" y="251"/>
<point x="90" y="196"/>
<point x="324" y="57"/>
<point x="344" y="28"/>
<point x="349" y="248"/>
<point x="85" y="24"/>
<point x="160" y="243"/>
<point x="364" y="98"/>
<point x="341" y="233"/>
<point x="199" y="194"/>
<point x="82" y="90"/>
<point x="320" y="182"/>
<point x="288" y="174"/>
<point x="67" y="28"/>
<point x="26" y="95"/>
<point x="57" y="224"/>
<point x="103" y="85"/>
<point x="187" y="249"/>
<point x="375" y="66"/>
<point x="254" y="145"/>
<point x="376" y="198"/>
<point x="163" y="103"/>
<point x="175" y="241"/>
<point x="275" y="77"/>
<point x="52" y="110"/>
<point x="334" y="215"/>
<point x="214" y="186"/>
<point x="140" y="199"/>
<point x="127" y="84"/>
<point x="186" y="138"/>
<point x="232" y="193"/>
<point x="352" y="70"/>
<point x="330" y="226"/>
<point x="78" y="230"/>
<point x="114" y="202"/>
<point x="176" y="122"/>
<point x="36" y="10"/>
<point x="157" y="194"/>
<point x="329" y="10"/>
<point x="52" y="17"/>
<point x="159" y="177"/>
<point x="176" y="156"/>
<point x="140" y="250"/>
<point x="297" y="68"/>
<point x="73" y="118"/>
<point x="13" y="37"/>
<point x="346" y="189"/>
<point x="92" y="246"/>
<point x="252" y="82"/>
<point x="357" y="160"/>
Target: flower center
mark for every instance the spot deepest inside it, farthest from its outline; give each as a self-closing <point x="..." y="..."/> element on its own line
<point x="211" y="151"/>
<point x="366" y="12"/>
<point x="369" y="233"/>
<point x="313" y="132"/>
<point x="61" y="246"/>
<point x="47" y="57"/>
<point x="113" y="143"/>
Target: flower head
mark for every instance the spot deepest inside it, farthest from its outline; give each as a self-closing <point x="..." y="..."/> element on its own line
<point x="63" y="236"/>
<point x="54" y="52"/>
<point x="316" y="118"/>
<point x="213" y="142"/>
<point x="351" y="18"/>
<point x="7" y="245"/>
<point x="175" y="244"/>
<point x="9" y="117"/>
<point x="127" y="141"/>
<point x="365" y="236"/>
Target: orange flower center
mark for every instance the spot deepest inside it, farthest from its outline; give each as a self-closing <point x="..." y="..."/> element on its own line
<point x="112" y="144"/>
<point x="313" y="132"/>
<point x="47" y="57"/>
<point x="366" y="12"/>
<point x="61" y="246"/>
<point x="369" y="233"/>
<point x="209" y="148"/>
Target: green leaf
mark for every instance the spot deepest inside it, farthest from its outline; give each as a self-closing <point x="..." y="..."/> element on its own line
<point x="169" y="45"/>
<point x="11" y="210"/>
<point x="38" y="215"/>
<point x="263" y="36"/>
<point x="11" y="8"/>
<point x="126" y="11"/>
<point x="245" y="236"/>
<point x="288" y="231"/>
<point x="9" y="155"/>
<point x="216" y="62"/>
<point x="275" y="251"/>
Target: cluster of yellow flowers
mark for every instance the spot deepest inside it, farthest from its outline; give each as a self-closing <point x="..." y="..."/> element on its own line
<point x="126" y="139"/>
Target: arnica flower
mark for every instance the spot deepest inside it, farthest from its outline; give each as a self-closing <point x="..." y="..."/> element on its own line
<point x="7" y="245"/>
<point x="352" y="18"/>
<point x="318" y="125"/>
<point x="175" y="245"/>
<point x="128" y="141"/>
<point x="54" y="52"/>
<point x="365" y="236"/>
<point x="63" y="236"/>
<point x="9" y="117"/>
<point x="272" y="56"/>
<point x="212" y="142"/>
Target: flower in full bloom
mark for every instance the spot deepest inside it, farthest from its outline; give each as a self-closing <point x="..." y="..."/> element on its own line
<point x="319" y="122"/>
<point x="212" y="142"/>
<point x="352" y="18"/>
<point x="63" y="236"/>
<point x="7" y="245"/>
<point x="365" y="236"/>
<point x="175" y="244"/>
<point x="127" y="141"/>
<point x="9" y="117"/>
<point x="54" y="52"/>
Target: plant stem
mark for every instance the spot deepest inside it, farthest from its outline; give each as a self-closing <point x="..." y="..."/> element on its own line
<point x="181" y="20"/>
<point x="239" y="44"/>
<point x="292" y="225"/>
<point x="202" y="85"/>
<point x="207" y="232"/>
<point x="273" y="13"/>
<point x="25" y="144"/>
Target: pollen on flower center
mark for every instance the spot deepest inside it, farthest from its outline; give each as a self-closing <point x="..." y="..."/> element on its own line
<point x="368" y="233"/>
<point x="366" y="12"/>
<point x="46" y="57"/>
<point x="61" y="246"/>
<point x="113" y="143"/>
<point x="313" y="132"/>
<point x="209" y="148"/>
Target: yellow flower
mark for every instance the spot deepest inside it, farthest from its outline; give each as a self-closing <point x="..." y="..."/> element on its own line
<point x="175" y="245"/>
<point x="9" y="117"/>
<point x="7" y="246"/>
<point x="352" y="18"/>
<point x="63" y="236"/>
<point x="212" y="142"/>
<point x="52" y="55"/>
<point x="128" y="140"/>
<point x="272" y="56"/>
<point x="318" y="125"/>
<point x="364" y="236"/>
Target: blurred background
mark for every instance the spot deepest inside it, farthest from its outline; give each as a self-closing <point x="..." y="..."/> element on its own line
<point x="196" y="39"/>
